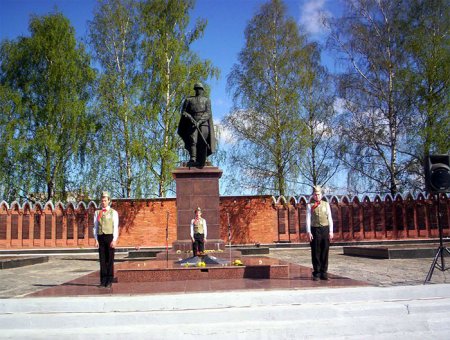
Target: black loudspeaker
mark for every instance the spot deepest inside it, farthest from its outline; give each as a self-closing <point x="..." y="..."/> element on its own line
<point x="437" y="173"/>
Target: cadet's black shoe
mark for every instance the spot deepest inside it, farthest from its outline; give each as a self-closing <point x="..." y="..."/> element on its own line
<point x="324" y="276"/>
<point x="315" y="278"/>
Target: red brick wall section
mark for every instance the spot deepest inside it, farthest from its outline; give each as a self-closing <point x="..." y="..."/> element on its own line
<point x="253" y="219"/>
<point x="142" y="223"/>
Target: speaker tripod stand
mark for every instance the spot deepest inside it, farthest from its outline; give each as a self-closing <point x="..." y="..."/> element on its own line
<point x="441" y="251"/>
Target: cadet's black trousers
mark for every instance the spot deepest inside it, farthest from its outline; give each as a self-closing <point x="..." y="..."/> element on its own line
<point x="106" y="254"/>
<point x="320" y="246"/>
<point x="199" y="244"/>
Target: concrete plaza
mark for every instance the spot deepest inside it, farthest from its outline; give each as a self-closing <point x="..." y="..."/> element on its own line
<point x="384" y="300"/>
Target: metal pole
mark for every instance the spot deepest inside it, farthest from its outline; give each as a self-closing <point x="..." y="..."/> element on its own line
<point x="441" y="233"/>
<point x="229" y="234"/>
<point x="441" y="249"/>
<point x="167" y="240"/>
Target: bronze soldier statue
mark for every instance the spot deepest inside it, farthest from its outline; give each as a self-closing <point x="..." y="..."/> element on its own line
<point x="196" y="127"/>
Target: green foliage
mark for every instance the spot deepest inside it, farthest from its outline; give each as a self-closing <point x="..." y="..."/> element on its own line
<point x="427" y="24"/>
<point x="118" y="155"/>
<point x="266" y="121"/>
<point x="64" y="128"/>
<point x="45" y="85"/>
<point x="147" y="69"/>
<point x="170" y="70"/>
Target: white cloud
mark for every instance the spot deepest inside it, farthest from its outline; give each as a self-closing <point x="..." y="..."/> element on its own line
<point x="311" y="16"/>
<point x="223" y="134"/>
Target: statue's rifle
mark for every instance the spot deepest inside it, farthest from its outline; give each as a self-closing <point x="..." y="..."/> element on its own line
<point x="199" y="131"/>
<point x="203" y="137"/>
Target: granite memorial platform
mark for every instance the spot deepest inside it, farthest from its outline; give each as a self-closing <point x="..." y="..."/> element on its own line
<point x="157" y="270"/>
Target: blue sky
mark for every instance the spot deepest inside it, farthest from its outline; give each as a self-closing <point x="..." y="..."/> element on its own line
<point x="223" y="39"/>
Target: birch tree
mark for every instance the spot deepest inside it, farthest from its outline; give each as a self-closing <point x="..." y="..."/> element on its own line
<point x="266" y="123"/>
<point x="370" y="41"/>
<point x="45" y="84"/>
<point x="427" y="47"/>
<point x="170" y="71"/>
<point x="317" y="98"/>
<point x="117" y="162"/>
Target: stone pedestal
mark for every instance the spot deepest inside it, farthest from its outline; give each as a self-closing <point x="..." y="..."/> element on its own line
<point x="197" y="188"/>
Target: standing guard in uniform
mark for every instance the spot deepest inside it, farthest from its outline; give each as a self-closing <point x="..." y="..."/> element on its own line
<point x="196" y="127"/>
<point x="319" y="227"/>
<point x="199" y="231"/>
<point x="106" y="234"/>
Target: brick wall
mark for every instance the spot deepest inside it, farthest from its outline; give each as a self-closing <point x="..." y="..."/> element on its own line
<point x="143" y="223"/>
<point x="252" y="219"/>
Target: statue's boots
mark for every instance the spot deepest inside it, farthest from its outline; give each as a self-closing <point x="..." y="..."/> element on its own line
<point x="193" y="159"/>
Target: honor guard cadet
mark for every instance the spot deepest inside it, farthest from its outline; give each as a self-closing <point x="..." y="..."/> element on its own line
<point x="319" y="227"/>
<point x="106" y="234"/>
<point x="199" y="231"/>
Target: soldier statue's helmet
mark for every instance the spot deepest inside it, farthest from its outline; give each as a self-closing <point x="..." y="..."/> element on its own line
<point x="198" y="86"/>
